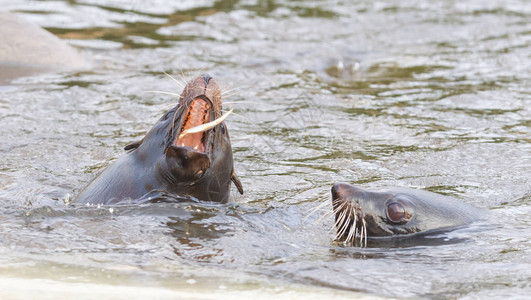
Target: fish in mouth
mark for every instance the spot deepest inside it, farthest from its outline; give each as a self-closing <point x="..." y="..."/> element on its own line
<point x="186" y="153"/>
<point x="362" y="215"/>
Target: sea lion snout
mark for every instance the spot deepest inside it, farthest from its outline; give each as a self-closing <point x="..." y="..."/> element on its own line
<point x="344" y="191"/>
<point x="337" y="190"/>
<point x="205" y="87"/>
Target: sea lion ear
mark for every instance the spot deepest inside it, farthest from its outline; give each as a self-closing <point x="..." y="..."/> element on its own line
<point x="133" y="145"/>
<point x="236" y="181"/>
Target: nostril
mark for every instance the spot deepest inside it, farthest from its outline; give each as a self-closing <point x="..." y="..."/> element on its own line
<point x="344" y="190"/>
<point x="206" y="78"/>
<point x="334" y="191"/>
<point x="338" y="190"/>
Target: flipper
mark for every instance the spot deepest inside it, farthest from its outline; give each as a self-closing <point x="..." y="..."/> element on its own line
<point x="237" y="182"/>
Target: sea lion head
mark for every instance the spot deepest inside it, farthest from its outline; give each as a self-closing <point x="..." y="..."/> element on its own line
<point x="192" y="162"/>
<point x="362" y="214"/>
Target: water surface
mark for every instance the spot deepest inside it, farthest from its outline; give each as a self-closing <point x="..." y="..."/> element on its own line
<point x="425" y="94"/>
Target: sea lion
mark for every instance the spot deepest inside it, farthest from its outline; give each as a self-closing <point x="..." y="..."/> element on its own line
<point x="362" y="214"/>
<point x="27" y="49"/>
<point x="169" y="161"/>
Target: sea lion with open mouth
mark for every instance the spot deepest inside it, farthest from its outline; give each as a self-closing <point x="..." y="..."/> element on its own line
<point x="362" y="215"/>
<point x="187" y="153"/>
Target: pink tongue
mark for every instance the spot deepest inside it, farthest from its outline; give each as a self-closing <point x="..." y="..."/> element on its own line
<point x="197" y="115"/>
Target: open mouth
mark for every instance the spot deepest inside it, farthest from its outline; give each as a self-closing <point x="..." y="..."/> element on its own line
<point x="198" y="114"/>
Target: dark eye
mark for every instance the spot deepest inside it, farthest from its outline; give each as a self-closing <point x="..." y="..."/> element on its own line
<point x="222" y="128"/>
<point x="396" y="212"/>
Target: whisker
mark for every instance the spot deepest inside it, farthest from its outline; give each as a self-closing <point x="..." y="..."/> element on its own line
<point x="315" y="209"/>
<point x="221" y="83"/>
<point x="234" y="89"/>
<point x="365" y="230"/>
<point x="239" y="116"/>
<point x="328" y="213"/>
<point x="361" y="236"/>
<point x="334" y="228"/>
<point x="349" y="212"/>
<point x="346" y="223"/>
<point x="325" y="203"/>
<point x="165" y="93"/>
<point x="341" y="212"/>
<point x="334" y="201"/>
<point x="238" y="102"/>
<point x="231" y="95"/>
<point x="331" y="229"/>
<point x="345" y="228"/>
<point x="340" y="219"/>
<point x="341" y="206"/>
<point x="338" y="214"/>
<point x="351" y="232"/>
<point x="165" y="108"/>
<point x="183" y="77"/>
<point x="325" y="215"/>
<point x="355" y="225"/>
<point x="230" y="85"/>
<point x="337" y="217"/>
<point x="361" y="232"/>
<point x="338" y="229"/>
<point x="175" y="80"/>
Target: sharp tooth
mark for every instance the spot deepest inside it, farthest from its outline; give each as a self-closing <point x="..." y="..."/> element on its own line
<point x="195" y="148"/>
